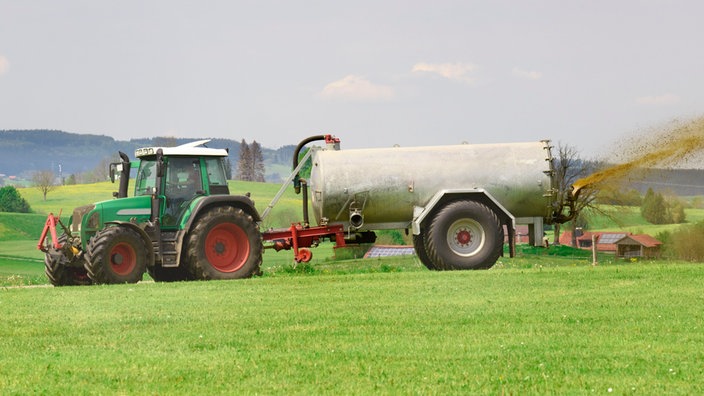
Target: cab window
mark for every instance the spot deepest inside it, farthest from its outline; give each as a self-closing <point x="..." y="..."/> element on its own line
<point x="217" y="179"/>
<point x="146" y="178"/>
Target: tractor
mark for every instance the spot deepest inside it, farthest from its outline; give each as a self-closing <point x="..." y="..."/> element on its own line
<point x="181" y="223"/>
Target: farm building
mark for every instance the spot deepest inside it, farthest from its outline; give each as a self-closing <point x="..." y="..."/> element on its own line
<point x="638" y="246"/>
<point x="622" y="244"/>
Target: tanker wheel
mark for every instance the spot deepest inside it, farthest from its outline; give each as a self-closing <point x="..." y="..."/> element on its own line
<point x="168" y="274"/>
<point x="419" y="247"/>
<point x="116" y="255"/>
<point x="225" y="243"/>
<point x="464" y="235"/>
<point x="62" y="271"/>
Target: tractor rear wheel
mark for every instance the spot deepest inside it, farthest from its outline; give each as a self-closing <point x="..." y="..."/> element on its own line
<point x="464" y="235"/>
<point x="225" y="243"/>
<point x="63" y="271"/>
<point x="116" y="255"/>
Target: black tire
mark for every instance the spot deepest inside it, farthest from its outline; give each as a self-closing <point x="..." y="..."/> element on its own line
<point x="168" y="274"/>
<point x="464" y="235"/>
<point x="225" y="243"/>
<point x="116" y="255"/>
<point x="63" y="271"/>
<point x="419" y="247"/>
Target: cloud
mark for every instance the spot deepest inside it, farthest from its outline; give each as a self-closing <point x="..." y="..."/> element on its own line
<point x="4" y="65"/>
<point x="357" y="88"/>
<point x="661" y="100"/>
<point x="451" y="71"/>
<point x="529" y="74"/>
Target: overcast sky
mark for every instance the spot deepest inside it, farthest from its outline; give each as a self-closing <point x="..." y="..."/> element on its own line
<point x="374" y="73"/>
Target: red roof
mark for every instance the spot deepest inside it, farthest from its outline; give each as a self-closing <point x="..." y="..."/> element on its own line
<point x="642" y="239"/>
<point x="608" y="241"/>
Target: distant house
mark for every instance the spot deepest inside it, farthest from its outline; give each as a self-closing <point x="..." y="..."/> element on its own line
<point x="622" y="244"/>
<point x="638" y="246"/>
<point x="605" y="241"/>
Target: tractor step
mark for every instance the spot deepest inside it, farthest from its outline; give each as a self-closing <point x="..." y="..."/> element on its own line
<point x="168" y="252"/>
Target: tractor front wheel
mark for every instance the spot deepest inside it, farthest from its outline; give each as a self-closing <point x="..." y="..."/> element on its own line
<point x="225" y="243"/>
<point x="116" y="255"/>
<point x="63" y="271"/>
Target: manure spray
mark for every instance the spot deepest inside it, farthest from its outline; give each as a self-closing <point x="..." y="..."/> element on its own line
<point x="669" y="148"/>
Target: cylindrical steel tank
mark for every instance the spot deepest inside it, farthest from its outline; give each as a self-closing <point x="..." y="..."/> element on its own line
<point x="380" y="187"/>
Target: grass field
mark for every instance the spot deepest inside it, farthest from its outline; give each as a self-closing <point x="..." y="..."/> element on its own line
<point x="561" y="329"/>
<point x="545" y="322"/>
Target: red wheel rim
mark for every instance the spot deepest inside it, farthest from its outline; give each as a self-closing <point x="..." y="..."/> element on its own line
<point x="123" y="259"/>
<point x="227" y="247"/>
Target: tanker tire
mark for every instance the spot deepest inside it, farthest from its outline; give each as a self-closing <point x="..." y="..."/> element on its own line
<point x="61" y="272"/>
<point x="225" y="243"/>
<point x="116" y="255"/>
<point x="168" y="274"/>
<point x="464" y="235"/>
<point x="419" y="247"/>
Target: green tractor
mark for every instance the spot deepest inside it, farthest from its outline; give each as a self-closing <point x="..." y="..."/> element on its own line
<point x="181" y="223"/>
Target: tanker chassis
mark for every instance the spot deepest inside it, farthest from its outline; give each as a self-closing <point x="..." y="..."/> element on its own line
<point x="181" y="223"/>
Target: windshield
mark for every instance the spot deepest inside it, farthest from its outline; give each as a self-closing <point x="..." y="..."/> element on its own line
<point x="146" y="178"/>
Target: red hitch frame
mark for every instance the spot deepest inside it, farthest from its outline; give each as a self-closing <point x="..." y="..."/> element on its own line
<point x="50" y="228"/>
<point x="300" y="238"/>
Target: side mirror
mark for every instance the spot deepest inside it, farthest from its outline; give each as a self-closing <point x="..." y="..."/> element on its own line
<point x="115" y="171"/>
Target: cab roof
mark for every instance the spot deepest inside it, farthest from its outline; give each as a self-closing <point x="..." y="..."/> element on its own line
<point x="188" y="149"/>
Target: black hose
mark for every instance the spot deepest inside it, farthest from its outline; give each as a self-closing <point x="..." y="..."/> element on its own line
<point x="296" y="153"/>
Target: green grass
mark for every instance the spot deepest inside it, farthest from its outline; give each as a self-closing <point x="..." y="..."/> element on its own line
<point x="629" y="329"/>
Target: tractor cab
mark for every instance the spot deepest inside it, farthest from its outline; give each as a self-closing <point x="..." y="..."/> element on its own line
<point x="174" y="176"/>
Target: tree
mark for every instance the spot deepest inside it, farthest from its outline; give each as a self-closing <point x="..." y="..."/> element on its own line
<point x="677" y="212"/>
<point x="244" y="166"/>
<point x="251" y="164"/>
<point x="228" y="168"/>
<point x="44" y="181"/>
<point x="12" y="201"/>
<point x="568" y="169"/>
<point x="654" y="209"/>
<point x="658" y="210"/>
<point x="258" y="169"/>
<point x="685" y="242"/>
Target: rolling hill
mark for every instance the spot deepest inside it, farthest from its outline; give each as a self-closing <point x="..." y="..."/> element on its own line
<point x="25" y="151"/>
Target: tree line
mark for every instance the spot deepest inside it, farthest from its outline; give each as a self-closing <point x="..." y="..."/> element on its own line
<point x="250" y="166"/>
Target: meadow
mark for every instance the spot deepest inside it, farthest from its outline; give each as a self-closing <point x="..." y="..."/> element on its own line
<point x="545" y="322"/>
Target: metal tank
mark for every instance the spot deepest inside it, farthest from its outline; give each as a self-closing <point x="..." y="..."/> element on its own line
<point x="378" y="188"/>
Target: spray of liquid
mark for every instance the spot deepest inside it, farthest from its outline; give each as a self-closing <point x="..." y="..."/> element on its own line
<point x="672" y="147"/>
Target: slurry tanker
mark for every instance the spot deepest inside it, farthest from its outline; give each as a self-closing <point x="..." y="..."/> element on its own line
<point x="460" y="202"/>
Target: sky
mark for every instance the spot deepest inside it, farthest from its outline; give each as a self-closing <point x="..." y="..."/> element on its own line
<point x="374" y="73"/>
